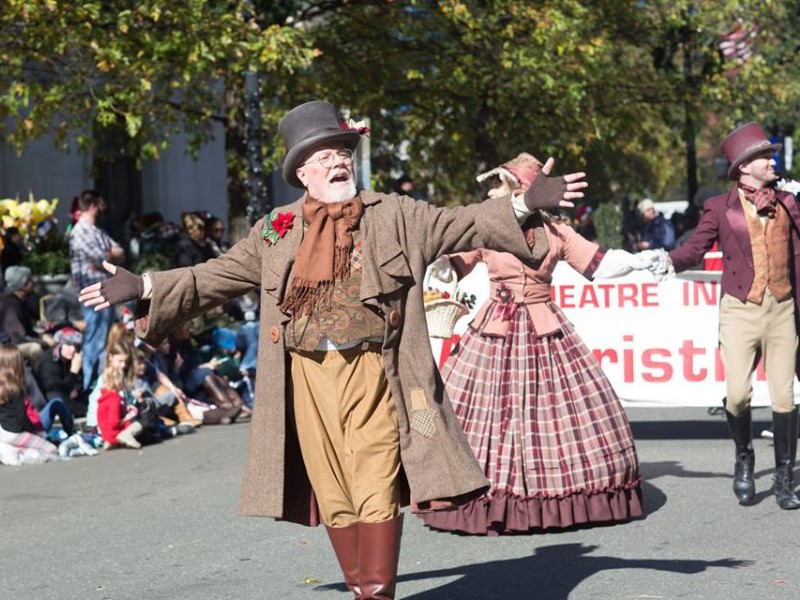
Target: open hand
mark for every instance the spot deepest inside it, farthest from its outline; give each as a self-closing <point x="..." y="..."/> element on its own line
<point x="574" y="184"/>
<point x="552" y="192"/>
<point x="123" y="286"/>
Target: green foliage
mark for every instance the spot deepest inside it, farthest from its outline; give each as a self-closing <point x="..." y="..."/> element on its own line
<point x="606" y="86"/>
<point x="611" y="87"/>
<point x="148" y="69"/>
<point x="49" y="254"/>
<point x="154" y="261"/>
<point x="608" y="224"/>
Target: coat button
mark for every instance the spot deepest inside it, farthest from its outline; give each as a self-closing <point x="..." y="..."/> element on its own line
<point x="394" y="317"/>
<point x="274" y="334"/>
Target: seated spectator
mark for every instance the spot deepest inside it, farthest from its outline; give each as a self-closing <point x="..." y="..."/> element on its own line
<point x="169" y="399"/>
<point x="115" y="417"/>
<point x="15" y="316"/>
<point x="21" y="424"/>
<point x="120" y="331"/>
<point x="229" y="365"/>
<point x="200" y="380"/>
<point x="118" y="355"/>
<point x="32" y="390"/>
<point x="59" y="372"/>
<point x="63" y="309"/>
<point x="654" y="230"/>
<point x="14" y="415"/>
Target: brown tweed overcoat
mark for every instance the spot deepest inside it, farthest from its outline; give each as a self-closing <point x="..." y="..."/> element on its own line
<point x="401" y="237"/>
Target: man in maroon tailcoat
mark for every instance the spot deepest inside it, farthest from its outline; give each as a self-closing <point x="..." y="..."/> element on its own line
<point x="758" y="229"/>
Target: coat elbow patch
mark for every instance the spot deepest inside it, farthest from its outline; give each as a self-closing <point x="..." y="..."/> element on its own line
<point x="422" y="418"/>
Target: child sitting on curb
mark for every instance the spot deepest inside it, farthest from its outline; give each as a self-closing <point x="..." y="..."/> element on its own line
<point x="115" y="419"/>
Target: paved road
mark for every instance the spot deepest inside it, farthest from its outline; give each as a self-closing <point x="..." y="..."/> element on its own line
<point x="160" y="524"/>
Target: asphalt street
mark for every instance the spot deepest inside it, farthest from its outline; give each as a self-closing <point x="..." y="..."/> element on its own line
<point x="160" y="523"/>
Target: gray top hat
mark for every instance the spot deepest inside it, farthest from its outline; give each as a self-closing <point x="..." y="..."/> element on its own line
<point x="309" y="125"/>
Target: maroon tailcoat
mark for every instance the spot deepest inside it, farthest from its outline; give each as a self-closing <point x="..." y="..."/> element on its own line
<point x="723" y="220"/>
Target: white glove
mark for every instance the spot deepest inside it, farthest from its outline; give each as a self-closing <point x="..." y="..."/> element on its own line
<point x="659" y="263"/>
<point x="617" y="263"/>
<point x="442" y="270"/>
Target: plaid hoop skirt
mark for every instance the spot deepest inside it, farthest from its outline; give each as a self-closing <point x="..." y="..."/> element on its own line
<point x="548" y="430"/>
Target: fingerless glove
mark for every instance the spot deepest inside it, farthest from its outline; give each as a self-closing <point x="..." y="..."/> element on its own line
<point x="545" y="192"/>
<point x="122" y="287"/>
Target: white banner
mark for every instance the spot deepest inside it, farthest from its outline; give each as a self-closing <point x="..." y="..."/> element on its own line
<point x="656" y="342"/>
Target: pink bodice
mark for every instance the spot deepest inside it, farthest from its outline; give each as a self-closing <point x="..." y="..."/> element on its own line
<point x="514" y="284"/>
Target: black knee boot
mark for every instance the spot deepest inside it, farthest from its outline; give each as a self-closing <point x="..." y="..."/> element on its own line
<point x="785" y="443"/>
<point x="741" y="426"/>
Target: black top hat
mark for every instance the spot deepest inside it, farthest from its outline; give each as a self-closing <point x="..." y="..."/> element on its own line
<point x="308" y="125"/>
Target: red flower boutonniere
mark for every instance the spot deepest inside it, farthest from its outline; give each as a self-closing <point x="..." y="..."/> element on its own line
<point x="352" y="125"/>
<point x="276" y="226"/>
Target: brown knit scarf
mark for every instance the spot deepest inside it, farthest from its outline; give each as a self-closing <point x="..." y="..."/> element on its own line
<point x="763" y="198"/>
<point x="324" y="254"/>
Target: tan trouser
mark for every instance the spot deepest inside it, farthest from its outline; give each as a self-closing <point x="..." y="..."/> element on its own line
<point x="347" y="426"/>
<point x="747" y="330"/>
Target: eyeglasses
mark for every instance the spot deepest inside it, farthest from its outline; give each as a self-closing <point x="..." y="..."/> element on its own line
<point x="327" y="160"/>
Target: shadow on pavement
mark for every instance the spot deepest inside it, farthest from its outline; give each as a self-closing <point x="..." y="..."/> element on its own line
<point x="552" y="572"/>
<point x="672" y="468"/>
<point x="653" y="499"/>
<point x="683" y="430"/>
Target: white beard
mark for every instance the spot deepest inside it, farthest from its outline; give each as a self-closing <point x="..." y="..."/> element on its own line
<point x="343" y="193"/>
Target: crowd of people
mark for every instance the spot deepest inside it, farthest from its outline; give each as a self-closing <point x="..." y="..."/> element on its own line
<point x="77" y="380"/>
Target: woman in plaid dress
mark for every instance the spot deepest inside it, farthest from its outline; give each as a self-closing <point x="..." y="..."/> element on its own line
<point x="540" y="415"/>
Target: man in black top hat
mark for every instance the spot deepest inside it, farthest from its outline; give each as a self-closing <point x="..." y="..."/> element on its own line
<point x="350" y="422"/>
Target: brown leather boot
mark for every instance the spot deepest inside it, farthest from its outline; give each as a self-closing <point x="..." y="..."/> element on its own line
<point x="345" y="544"/>
<point x="183" y="414"/>
<point x="378" y="555"/>
<point x="218" y="392"/>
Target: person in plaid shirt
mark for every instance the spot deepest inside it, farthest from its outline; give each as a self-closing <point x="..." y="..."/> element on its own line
<point x="89" y="246"/>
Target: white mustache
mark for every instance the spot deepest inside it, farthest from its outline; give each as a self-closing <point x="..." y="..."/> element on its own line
<point x="339" y="173"/>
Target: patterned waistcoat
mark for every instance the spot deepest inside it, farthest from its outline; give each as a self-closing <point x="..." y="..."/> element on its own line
<point x="770" y="245"/>
<point x="345" y="321"/>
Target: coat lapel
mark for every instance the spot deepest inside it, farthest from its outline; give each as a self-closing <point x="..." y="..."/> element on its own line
<point x="279" y="257"/>
<point x="385" y="268"/>
<point x="738" y="223"/>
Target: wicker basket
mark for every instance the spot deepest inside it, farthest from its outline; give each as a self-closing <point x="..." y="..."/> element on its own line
<point x="442" y="315"/>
